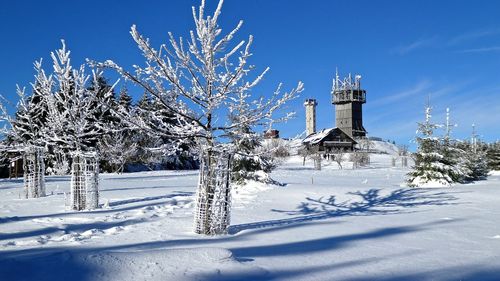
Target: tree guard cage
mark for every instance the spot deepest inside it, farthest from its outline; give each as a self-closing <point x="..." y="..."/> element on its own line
<point x="84" y="181"/>
<point x="34" y="172"/>
<point x="213" y="203"/>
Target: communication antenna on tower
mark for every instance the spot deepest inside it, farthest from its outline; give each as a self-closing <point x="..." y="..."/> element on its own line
<point x="357" y="82"/>
<point x="474" y="138"/>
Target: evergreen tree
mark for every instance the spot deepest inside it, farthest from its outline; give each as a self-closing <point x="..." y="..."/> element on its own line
<point x="476" y="159"/>
<point x="493" y="156"/>
<point x="124" y="99"/>
<point x="28" y="127"/>
<point x="453" y="154"/>
<point x="431" y="168"/>
<point x="250" y="162"/>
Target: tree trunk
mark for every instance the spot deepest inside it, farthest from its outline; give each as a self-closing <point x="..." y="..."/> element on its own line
<point x="84" y="181"/>
<point x="212" y="215"/>
<point x="34" y="169"/>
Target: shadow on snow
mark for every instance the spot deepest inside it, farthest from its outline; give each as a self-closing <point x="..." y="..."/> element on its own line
<point x="371" y="202"/>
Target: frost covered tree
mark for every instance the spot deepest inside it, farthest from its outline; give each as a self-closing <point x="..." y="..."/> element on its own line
<point x="493" y="156"/>
<point x="26" y="135"/>
<point x="72" y="119"/>
<point x="200" y="82"/>
<point x="250" y="161"/>
<point x="338" y="156"/>
<point x="118" y="149"/>
<point x="475" y="158"/>
<point x="431" y="168"/>
<point x="118" y="145"/>
<point x="453" y="154"/>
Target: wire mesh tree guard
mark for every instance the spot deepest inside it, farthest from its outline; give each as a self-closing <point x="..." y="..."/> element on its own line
<point x="84" y="181"/>
<point x="212" y="213"/>
<point x="34" y="172"/>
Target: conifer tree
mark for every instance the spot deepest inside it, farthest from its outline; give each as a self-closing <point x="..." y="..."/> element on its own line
<point x="124" y="99"/>
<point x="26" y="136"/>
<point x="453" y="154"/>
<point x="476" y="160"/>
<point x="430" y="169"/>
<point x="493" y="156"/>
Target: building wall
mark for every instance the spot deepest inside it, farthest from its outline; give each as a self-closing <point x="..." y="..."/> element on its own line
<point x="311" y="118"/>
<point x="349" y="118"/>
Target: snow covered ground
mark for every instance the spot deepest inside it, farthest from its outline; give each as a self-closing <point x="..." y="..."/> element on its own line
<point x="324" y="225"/>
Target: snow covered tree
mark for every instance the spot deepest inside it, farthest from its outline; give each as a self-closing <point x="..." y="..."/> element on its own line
<point x="124" y="99"/>
<point x="200" y="82"/>
<point x="117" y="144"/>
<point x="26" y="137"/>
<point x="475" y="158"/>
<point x="493" y="156"/>
<point x="453" y="154"/>
<point x="431" y="168"/>
<point x="248" y="162"/>
<point x="338" y="156"/>
<point x="72" y="118"/>
<point x="117" y="149"/>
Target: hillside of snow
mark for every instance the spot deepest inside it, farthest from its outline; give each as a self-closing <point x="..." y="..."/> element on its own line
<point x="384" y="147"/>
<point x="323" y="225"/>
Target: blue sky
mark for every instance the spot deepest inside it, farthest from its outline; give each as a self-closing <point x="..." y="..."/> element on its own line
<point x="405" y="51"/>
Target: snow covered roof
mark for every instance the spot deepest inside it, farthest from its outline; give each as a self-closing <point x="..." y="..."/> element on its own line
<point x="315" y="138"/>
<point x="321" y="135"/>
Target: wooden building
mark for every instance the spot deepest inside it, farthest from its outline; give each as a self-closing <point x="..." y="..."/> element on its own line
<point x="329" y="140"/>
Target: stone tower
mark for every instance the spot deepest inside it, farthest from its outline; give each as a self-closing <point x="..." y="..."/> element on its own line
<point x="348" y="98"/>
<point x="310" y="105"/>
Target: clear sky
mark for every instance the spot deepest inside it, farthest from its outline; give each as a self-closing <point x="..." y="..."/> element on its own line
<point x="404" y="50"/>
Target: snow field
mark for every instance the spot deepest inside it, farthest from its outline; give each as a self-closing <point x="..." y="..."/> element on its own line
<point x="323" y="225"/>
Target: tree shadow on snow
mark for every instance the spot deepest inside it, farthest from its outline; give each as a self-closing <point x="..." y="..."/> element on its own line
<point x="371" y="202"/>
<point x="69" y="228"/>
<point x="111" y="189"/>
<point x="53" y="267"/>
<point x="150" y="198"/>
<point x="240" y="252"/>
<point x="104" y="211"/>
<point x="329" y="272"/>
<point x="328" y="243"/>
<point x="132" y="176"/>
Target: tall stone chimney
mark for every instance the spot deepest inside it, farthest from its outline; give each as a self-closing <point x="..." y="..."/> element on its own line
<point x="310" y="105"/>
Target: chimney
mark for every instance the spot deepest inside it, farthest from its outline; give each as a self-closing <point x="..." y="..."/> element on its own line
<point x="310" y="105"/>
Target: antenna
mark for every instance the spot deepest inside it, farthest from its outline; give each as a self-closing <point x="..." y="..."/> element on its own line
<point x="336" y="78"/>
<point x="357" y="81"/>
<point x="474" y="138"/>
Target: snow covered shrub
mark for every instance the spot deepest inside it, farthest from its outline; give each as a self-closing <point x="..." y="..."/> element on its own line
<point x="256" y="158"/>
<point x="118" y="149"/>
<point x="277" y="148"/>
<point x="359" y="158"/>
<point x="248" y="167"/>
